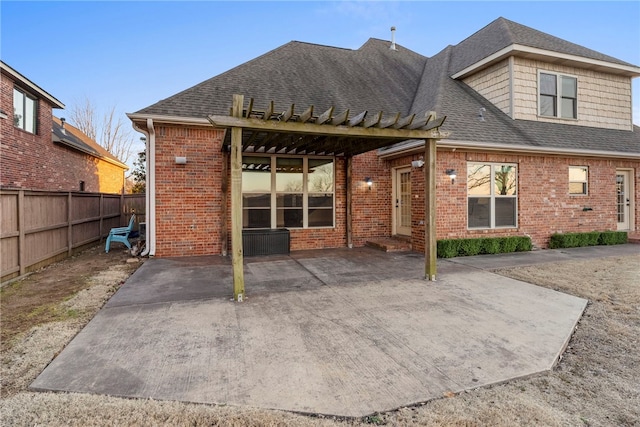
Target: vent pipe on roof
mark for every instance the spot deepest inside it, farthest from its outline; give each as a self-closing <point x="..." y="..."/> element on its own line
<point x="393" y="39"/>
<point x="62" y="120"/>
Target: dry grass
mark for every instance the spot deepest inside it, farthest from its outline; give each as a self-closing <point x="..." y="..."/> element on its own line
<point x="595" y="384"/>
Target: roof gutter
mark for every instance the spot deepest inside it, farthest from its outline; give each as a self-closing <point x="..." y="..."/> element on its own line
<point x="417" y="146"/>
<point x="150" y="197"/>
<point x="174" y="120"/>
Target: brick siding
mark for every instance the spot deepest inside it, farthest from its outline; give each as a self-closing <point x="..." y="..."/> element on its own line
<point x="189" y="197"/>
<point x="33" y="161"/>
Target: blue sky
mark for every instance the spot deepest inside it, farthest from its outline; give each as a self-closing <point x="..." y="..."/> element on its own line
<point x="133" y="54"/>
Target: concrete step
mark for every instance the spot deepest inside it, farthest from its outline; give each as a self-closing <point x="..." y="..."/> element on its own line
<point x="633" y="237"/>
<point x="390" y="244"/>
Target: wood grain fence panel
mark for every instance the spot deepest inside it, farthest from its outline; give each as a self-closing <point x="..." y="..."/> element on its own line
<point x="135" y="203"/>
<point x="9" y="262"/>
<point x="44" y="209"/>
<point x="8" y="214"/>
<point x="44" y="244"/>
<point x="85" y="206"/>
<point x="41" y="227"/>
<point x="111" y="205"/>
<point x="86" y="232"/>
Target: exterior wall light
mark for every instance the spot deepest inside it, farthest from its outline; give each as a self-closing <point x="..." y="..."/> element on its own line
<point x="369" y="182"/>
<point x="452" y="174"/>
<point x="417" y="163"/>
<point x="181" y="160"/>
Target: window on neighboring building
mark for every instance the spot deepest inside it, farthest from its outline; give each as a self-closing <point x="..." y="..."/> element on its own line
<point x="491" y="195"/>
<point x="578" y="179"/>
<point x="558" y="96"/>
<point x="291" y="192"/>
<point x="25" y="111"/>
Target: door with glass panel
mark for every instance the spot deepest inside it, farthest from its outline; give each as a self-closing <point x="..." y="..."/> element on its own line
<point x="623" y="200"/>
<point x="402" y="200"/>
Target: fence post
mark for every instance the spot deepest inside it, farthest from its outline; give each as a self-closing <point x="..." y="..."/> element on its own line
<point x="101" y="216"/>
<point x="22" y="262"/>
<point x="70" y="225"/>
<point x="123" y="217"/>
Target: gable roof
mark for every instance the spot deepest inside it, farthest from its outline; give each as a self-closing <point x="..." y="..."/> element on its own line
<point x="376" y="78"/>
<point x="373" y="77"/>
<point x="27" y="84"/>
<point x="74" y="138"/>
<point x="502" y="37"/>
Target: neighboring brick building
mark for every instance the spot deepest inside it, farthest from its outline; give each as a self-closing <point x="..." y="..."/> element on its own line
<point x="39" y="153"/>
<point x="540" y="140"/>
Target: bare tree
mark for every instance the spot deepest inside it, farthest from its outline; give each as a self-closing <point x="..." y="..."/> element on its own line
<point x="110" y="131"/>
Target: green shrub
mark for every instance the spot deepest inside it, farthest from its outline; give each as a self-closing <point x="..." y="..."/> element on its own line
<point x="470" y="247"/>
<point x="613" y="238"/>
<point x="509" y="244"/>
<point x="564" y="240"/>
<point x="450" y="248"/>
<point x="523" y="243"/>
<point x="491" y="246"/>
<point x="593" y="238"/>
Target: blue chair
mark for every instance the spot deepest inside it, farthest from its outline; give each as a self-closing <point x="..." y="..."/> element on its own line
<point x="120" y="234"/>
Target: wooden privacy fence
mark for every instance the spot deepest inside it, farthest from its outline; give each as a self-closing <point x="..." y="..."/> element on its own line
<point x="41" y="227"/>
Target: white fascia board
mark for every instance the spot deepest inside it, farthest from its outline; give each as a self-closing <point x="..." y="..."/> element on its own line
<point x="37" y="90"/>
<point x="174" y="120"/>
<point x="417" y="146"/>
<point x="514" y="49"/>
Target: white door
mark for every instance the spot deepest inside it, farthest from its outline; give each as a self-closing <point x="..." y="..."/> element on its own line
<point x="402" y="199"/>
<point x="623" y="187"/>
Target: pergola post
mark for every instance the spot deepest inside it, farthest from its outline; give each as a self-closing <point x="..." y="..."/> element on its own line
<point x="430" y="242"/>
<point x="326" y="135"/>
<point x="236" y="202"/>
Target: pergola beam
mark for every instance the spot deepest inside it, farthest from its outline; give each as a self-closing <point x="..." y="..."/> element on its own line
<point x="274" y="126"/>
<point x="331" y="136"/>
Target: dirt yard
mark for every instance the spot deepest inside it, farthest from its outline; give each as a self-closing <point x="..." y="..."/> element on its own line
<point x="597" y="383"/>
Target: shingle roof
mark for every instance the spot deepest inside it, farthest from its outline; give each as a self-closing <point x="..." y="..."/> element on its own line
<point x="371" y="78"/>
<point x="376" y="78"/>
<point x="76" y="139"/>
<point x="502" y="33"/>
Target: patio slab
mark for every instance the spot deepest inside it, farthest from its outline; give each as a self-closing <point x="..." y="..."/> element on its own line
<point x="336" y="332"/>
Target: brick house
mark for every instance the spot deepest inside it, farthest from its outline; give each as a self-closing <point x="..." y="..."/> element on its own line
<point x="539" y="139"/>
<point x="41" y="152"/>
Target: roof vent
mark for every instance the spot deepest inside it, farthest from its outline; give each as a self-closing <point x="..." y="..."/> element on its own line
<point x="393" y="39"/>
<point x="62" y="120"/>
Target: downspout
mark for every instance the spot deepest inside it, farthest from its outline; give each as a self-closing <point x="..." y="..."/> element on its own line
<point x="150" y="197"/>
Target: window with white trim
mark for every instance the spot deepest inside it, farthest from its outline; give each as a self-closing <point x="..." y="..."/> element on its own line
<point x="285" y="191"/>
<point x="578" y="179"/>
<point x="25" y="111"/>
<point x="557" y="95"/>
<point x="492" y="195"/>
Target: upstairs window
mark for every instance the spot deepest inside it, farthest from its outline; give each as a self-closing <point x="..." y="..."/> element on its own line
<point x="25" y="111"/>
<point x="558" y="96"/>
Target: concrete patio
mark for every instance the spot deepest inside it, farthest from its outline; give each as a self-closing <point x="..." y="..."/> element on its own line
<point x="341" y="332"/>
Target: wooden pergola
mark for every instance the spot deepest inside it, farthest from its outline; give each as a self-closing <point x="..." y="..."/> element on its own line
<point x="327" y="134"/>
